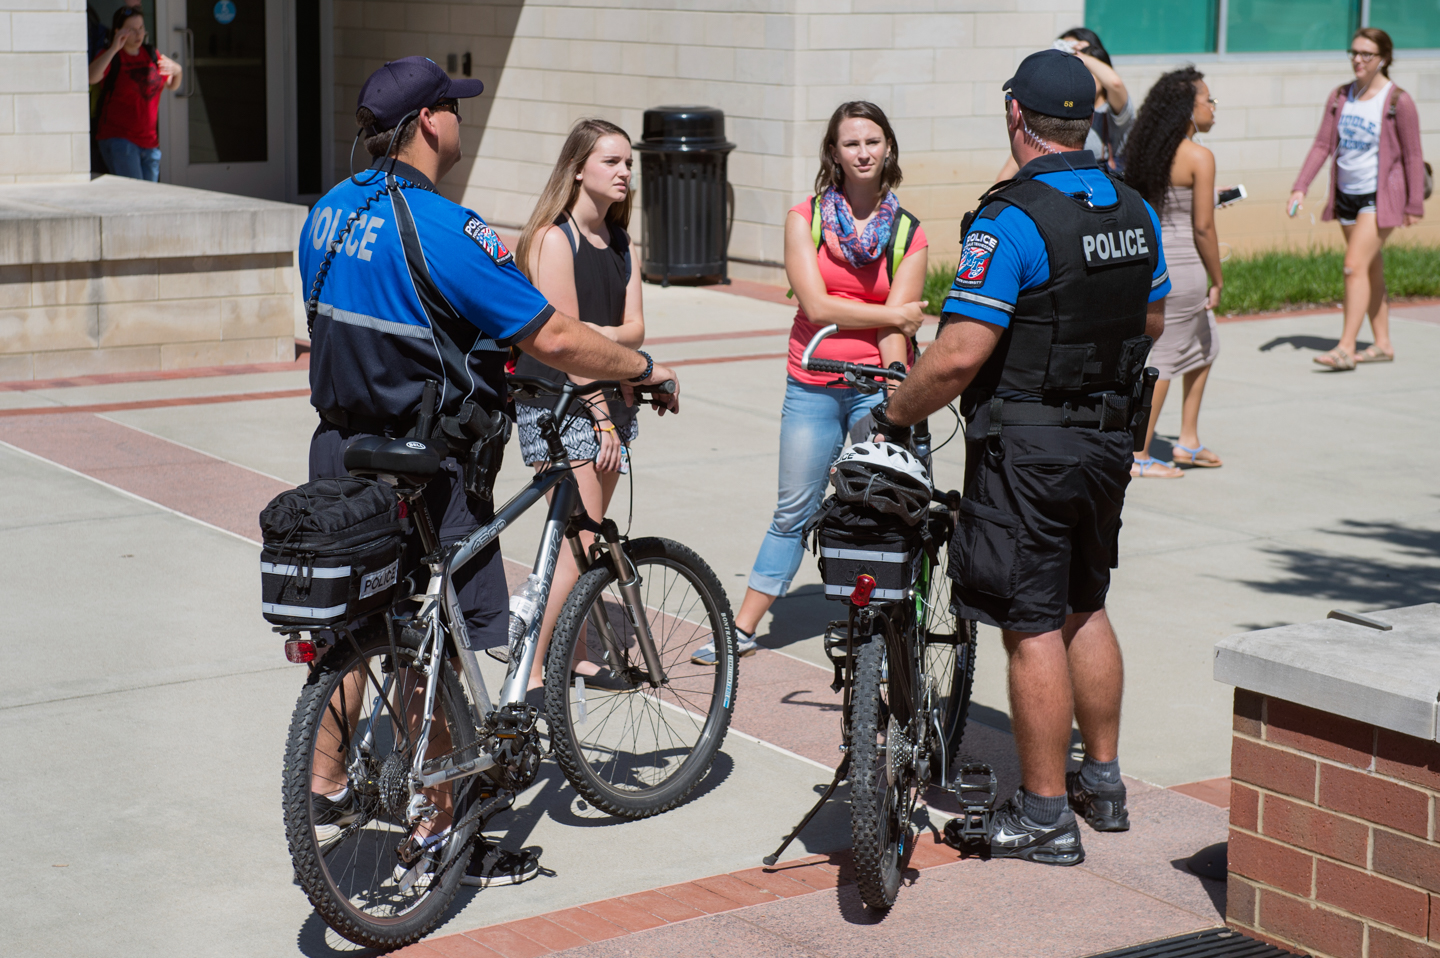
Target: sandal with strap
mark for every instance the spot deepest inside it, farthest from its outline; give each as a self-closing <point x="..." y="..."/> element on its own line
<point x="1371" y="354"/>
<point x="1141" y="469"/>
<point x="1336" y="359"/>
<point x="1193" y="457"/>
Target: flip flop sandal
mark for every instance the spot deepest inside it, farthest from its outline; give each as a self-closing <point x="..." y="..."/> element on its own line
<point x="1194" y="459"/>
<point x="1336" y="359"/>
<point x="1144" y="464"/>
<point x="1372" y="355"/>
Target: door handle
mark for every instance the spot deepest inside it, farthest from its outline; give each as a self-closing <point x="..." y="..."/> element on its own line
<point x="187" y="63"/>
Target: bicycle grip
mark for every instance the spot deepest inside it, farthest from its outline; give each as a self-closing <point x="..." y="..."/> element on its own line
<point x="827" y="366"/>
<point x="667" y="387"/>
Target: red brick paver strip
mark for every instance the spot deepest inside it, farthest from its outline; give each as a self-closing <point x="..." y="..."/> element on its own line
<point x="505" y="940"/>
<point x="548" y="933"/>
<point x="585" y="924"/>
<point x="626" y="916"/>
<point x="661" y="906"/>
<point x="1215" y="791"/>
<point x="458" y="946"/>
<point x="691" y="894"/>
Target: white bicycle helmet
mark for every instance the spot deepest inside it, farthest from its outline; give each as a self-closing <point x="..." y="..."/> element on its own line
<point x="885" y="477"/>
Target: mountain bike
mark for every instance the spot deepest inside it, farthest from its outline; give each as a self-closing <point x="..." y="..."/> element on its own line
<point x="905" y="667"/>
<point x="423" y="760"/>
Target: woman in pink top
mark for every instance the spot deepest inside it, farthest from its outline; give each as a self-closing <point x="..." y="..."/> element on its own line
<point x="846" y="282"/>
<point x="1371" y="131"/>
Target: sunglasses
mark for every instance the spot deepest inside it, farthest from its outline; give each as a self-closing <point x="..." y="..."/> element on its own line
<point x="449" y="104"/>
<point x="1361" y="55"/>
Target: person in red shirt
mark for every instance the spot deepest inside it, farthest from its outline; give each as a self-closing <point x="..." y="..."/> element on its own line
<point x="133" y="75"/>
<point x="846" y="282"/>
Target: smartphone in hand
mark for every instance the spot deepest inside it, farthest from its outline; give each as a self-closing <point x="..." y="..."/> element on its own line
<point x="1233" y="195"/>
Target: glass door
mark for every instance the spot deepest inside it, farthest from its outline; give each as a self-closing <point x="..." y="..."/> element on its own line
<point x="226" y="126"/>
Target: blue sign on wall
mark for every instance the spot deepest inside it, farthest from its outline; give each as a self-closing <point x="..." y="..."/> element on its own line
<point x="224" y="11"/>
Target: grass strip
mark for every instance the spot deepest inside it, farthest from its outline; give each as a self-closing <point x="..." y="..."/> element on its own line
<point x="1264" y="282"/>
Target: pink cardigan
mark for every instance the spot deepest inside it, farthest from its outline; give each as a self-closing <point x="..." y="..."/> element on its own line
<point x="1402" y="168"/>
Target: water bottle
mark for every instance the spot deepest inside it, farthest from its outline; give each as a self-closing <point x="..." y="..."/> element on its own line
<point x="524" y="606"/>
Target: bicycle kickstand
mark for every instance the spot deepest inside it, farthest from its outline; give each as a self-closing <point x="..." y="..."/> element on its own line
<point x="840" y="773"/>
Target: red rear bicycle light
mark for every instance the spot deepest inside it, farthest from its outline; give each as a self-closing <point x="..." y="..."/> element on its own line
<point x="299" y="650"/>
<point x="404" y="509"/>
<point x="864" y="585"/>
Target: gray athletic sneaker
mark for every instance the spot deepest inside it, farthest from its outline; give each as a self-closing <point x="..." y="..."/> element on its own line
<point x="1103" y="806"/>
<point x="705" y="655"/>
<point x="1012" y="835"/>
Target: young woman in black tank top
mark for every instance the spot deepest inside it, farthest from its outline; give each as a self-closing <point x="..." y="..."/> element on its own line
<point x="576" y="251"/>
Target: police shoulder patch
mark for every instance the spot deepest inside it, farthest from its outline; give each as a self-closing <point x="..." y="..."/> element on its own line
<point x="975" y="255"/>
<point x="488" y="240"/>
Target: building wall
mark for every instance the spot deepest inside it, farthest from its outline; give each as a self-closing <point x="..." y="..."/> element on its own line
<point x="779" y="67"/>
<point x="44" y="98"/>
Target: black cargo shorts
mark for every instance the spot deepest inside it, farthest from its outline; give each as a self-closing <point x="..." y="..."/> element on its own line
<point x="1039" y="527"/>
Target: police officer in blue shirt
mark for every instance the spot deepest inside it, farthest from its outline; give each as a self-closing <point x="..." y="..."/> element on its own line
<point x="405" y="288"/>
<point x="1057" y="299"/>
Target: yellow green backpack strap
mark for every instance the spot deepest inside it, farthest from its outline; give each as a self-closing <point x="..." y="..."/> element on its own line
<point x="816" y="231"/>
<point x="901" y="238"/>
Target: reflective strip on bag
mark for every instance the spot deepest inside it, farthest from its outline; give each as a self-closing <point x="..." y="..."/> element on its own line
<point x="316" y="572"/>
<point x="305" y="612"/>
<point x="860" y="555"/>
<point x="843" y="591"/>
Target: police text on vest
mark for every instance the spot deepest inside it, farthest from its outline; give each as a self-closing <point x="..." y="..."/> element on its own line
<point x="1115" y="245"/>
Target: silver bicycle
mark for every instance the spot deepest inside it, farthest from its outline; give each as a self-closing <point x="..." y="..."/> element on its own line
<point x="393" y="765"/>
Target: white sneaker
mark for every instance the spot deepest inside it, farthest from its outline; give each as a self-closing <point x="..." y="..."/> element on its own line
<point x="705" y="655"/>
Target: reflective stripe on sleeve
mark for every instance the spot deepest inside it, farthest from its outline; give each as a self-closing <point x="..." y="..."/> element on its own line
<point x="988" y="301"/>
<point x="1160" y="280"/>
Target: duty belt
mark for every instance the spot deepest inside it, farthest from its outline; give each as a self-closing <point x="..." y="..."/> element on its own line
<point x="1109" y="412"/>
<point x="349" y="420"/>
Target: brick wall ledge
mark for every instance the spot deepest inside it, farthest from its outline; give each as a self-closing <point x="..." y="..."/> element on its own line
<point x="115" y="218"/>
<point x="1389" y="679"/>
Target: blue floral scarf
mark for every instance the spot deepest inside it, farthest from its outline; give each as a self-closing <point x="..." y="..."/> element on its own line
<point x="839" y="228"/>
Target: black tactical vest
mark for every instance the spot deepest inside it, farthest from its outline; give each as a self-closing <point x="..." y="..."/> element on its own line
<point x="1081" y="332"/>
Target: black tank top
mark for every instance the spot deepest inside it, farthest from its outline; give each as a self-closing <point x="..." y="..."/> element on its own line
<point x="600" y="279"/>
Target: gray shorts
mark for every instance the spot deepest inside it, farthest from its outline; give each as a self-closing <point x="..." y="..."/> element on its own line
<point x="579" y="436"/>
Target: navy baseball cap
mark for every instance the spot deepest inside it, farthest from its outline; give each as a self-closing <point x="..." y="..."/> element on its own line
<point x="403" y="86"/>
<point x="1054" y="83"/>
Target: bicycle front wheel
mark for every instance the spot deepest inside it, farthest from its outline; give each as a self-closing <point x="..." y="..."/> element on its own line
<point x="640" y="750"/>
<point x="352" y="739"/>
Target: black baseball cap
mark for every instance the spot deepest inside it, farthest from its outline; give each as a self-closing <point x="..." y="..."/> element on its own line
<point x="403" y="86"/>
<point x="1054" y="83"/>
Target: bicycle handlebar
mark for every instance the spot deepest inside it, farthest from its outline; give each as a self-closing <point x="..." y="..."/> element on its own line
<point x="535" y="387"/>
<point x="809" y="363"/>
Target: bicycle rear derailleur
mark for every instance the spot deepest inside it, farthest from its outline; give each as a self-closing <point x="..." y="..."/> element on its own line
<point x="514" y="742"/>
<point x="976" y="789"/>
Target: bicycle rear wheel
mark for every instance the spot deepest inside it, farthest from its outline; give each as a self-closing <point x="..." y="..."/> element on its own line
<point x="881" y="763"/>
<point x="640" y="751"/>
<point x="354" y="727"/>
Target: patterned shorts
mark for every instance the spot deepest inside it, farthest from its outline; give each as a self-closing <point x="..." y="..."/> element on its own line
<point x="579" y="436"/>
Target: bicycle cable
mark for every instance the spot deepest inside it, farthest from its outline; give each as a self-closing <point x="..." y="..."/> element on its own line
<point x="956" y="413"/>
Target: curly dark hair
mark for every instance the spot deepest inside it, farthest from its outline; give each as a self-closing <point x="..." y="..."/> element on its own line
<point x="1163" y="121"/>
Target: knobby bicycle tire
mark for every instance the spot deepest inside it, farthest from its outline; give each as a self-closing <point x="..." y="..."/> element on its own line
<point x="641" y="752"/>
<point x="878" y="836"/>
<point x="949" y="656"/>
<point x="352" y="880"/>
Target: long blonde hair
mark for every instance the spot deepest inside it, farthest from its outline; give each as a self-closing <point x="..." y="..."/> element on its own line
<point x="563" y="188"/>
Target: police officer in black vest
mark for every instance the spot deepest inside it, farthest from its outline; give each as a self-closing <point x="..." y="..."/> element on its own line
<point x="1058" y="297"/>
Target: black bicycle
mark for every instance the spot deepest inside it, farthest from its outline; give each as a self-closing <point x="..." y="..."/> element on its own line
<point x="905" y="667"/>
<point x="385" y="723"/>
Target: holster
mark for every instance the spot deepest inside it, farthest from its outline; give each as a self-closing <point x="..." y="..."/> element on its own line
<point x="1144" y="391"/>
<point x="478" y="440"/>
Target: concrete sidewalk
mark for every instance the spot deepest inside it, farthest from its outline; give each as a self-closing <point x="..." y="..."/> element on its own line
<point x="143" y="688"/>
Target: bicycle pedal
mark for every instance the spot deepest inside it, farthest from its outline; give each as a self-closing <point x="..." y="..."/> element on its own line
<point x="976" y="789"/>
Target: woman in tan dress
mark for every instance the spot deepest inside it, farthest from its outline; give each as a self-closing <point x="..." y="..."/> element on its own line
<point x="1177" y="176"/>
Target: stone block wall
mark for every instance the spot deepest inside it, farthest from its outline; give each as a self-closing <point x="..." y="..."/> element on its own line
<point x="779" y="67"/>
<point x="75" y="319"/>
<point x="1334" y="840"/>
<point x="44" y="92"/>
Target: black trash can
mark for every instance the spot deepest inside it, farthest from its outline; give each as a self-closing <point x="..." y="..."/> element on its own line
<point x="685" y="193"/>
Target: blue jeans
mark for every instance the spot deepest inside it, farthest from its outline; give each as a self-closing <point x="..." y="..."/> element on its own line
<point x="813" y="425"/>
<point x="126" y="159"/>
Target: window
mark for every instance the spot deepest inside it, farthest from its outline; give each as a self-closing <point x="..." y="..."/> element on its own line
<point x="1268" y="26"/>
<point x="1257" y="26"/>
<point x="1412" y="24"/>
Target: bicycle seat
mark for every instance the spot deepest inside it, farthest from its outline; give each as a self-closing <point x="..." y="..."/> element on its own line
<point x="414" y="460"/>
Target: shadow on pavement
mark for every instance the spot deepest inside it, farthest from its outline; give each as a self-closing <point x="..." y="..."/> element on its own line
<point x="1407" y="576"/>
<point x="795" y="616"/>
<point x="318" y="940"/>
<point x="1318" y="343"/>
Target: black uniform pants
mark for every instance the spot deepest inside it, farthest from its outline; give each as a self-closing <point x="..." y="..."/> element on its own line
<point x="480" y="587"/>
<point x="1039" y="525"/>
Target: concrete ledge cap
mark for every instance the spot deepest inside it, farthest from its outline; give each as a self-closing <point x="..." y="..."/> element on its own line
<point x="116" y="218"/>
<point x="1389" y="679"/>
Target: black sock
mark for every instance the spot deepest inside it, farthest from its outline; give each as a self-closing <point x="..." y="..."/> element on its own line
<point x="1093" y="773"/>
<point x="1041" y="809"/>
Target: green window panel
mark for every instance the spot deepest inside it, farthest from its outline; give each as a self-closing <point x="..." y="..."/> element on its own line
<point x="1271" y="26"/>
<point x="1412" y="24"/>
<point x="1156" y="26"/>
